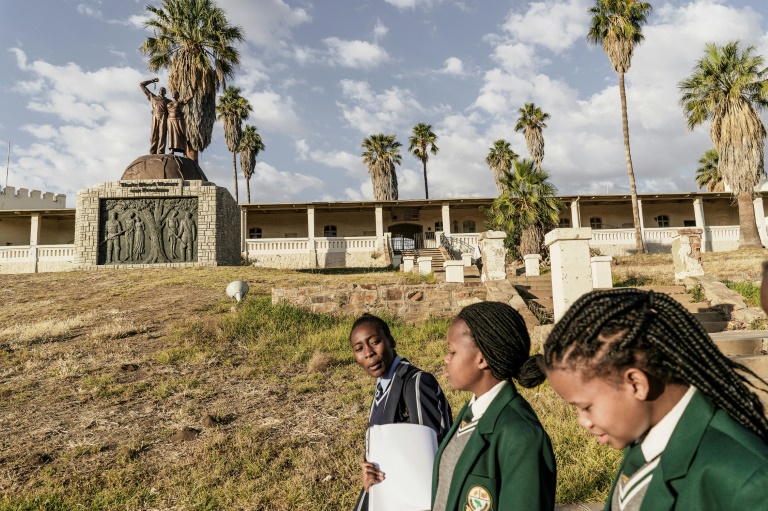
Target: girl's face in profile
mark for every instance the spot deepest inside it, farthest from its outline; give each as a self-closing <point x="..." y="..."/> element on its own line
<point x="464" y="361"/>
<point x="608" y="407"/>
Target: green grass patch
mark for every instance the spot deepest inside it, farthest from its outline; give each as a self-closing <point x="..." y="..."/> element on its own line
<point x="749" y="291"/>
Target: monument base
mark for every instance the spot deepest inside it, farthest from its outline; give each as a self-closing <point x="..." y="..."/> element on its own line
<point x="155" y="223"/>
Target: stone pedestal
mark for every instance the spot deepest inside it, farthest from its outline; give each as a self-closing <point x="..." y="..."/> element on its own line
<point x="425" y="265"/>
<point x="532" y="265"/>
<point x="159" y="222"/>
<point x="454" y="271"/>
<point x="407" y="263"/>
<point x="686" y="253"/>
<point x="601" y="272"/>
<point x="466" y="259"/>
<point x="494" y="254"/>
<point x="571" y="266"/>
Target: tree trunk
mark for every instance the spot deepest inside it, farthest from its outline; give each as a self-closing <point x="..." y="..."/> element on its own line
<point x="192" y="153"/>
<point x="248" y="188"/>
<point x="426" y="188"/>
<point x="749" y="237"/>
<point x="630" y="170"/>
<point x="234" y="167"/>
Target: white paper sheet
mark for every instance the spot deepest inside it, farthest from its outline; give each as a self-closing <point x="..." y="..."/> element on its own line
<point x="405" y="453"/>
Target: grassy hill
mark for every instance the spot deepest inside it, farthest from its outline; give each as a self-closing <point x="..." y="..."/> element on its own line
<point x="142" y="390"/>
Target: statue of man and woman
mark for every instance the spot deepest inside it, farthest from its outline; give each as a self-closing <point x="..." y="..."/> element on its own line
<point x="167" y="120"/>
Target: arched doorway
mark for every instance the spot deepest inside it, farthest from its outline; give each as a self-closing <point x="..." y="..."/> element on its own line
<point x="406" y="236"/>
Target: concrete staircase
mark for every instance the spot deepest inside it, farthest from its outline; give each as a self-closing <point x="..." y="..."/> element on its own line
<point x="712" y="320"/>
<point x="537" y="293"/>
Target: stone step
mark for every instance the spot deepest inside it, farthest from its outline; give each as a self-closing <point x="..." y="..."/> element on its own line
<point x="697" y="307"/>
<point x="756" y="363"/>
<point x="715" y="326"/>
<point x="705" y="317"/>
<point x="740" y="342"/>
<point x="670" y="290"/>
<point x="547" y="303"/>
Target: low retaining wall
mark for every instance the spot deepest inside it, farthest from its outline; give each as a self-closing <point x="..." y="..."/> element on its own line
<point x="412" y="302"/>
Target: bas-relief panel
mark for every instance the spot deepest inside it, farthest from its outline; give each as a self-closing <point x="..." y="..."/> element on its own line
<point x="147" y="230"/>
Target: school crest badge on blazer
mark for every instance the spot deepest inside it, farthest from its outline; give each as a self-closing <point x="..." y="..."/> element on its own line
<point x="478" y="499"/>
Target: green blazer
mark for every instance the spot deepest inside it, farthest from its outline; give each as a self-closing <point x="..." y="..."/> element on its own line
<point x="508" y="458"/>
<point x="710" y="463"/>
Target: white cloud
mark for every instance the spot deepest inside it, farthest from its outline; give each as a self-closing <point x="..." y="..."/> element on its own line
<point x="352" y="163"/>
<point x="412" y="4"/>
<point x="271" y="185"/>
<point x="380" y="30"/>
<point x="453" y="66"/>
<point x="371" y="112"/>
<point x="265" y="23"/>
<point x="553" y="24"/>
<point x="88" y="11"/>
<point x="355" y="54"/>
<point x="273" y="112"/>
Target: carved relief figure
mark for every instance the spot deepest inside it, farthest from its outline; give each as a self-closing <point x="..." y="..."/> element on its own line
<point x="113" y="230"/>
<point x="177" y="138"/>
<point x="128" y="225"/>
<point x="172" y="226"/>
<point x="159" y="117"/>
<point x="187" y="236"/>
<point x="138" y="240"/>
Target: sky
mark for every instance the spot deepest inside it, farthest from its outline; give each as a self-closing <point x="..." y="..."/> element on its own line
<point x="323" y="75"/>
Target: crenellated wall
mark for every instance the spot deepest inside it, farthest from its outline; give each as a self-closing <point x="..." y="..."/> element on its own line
<point x="11" y="198"/>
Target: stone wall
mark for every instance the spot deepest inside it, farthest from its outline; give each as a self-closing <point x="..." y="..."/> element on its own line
<point x="412" y="302"/>
<point x="217" y="230"/>
<point x="11" y="198"/>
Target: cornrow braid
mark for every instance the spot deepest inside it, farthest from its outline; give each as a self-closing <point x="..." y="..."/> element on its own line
<point x="501" y="336"/>
<point x="605" y="332"/>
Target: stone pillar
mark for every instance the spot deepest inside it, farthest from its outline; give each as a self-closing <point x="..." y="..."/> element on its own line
<point x="494" y="255"/>
<point x="379" y="227"/>
<point x="407" y="263"/>
<point x="532" y="264"/>
<point x="34" y="230"/>
<point x="311" y="237"/>
<point x="446" y="218"/>
<point x="425" y="265"/>
<point x="686" y="253"/>
<point x="454" y="271"/>
<point x="571" y="266"/>
<point x="243" y="231"/>
<point x="698" y="214"/>
<point x="760" y="219"/>
<point x="601" y="272"/>
<point x="466" y="259"/>
<point x="576" y="214"/>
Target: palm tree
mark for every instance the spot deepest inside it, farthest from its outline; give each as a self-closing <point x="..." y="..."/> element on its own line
<point x="616" y="24"/>
<point x="527" y="208"/>
<point x="250" y="147"/>
<point x="381" y="154"/>
<point x="233" y="109"/>
<point x="708" y="174"/>
<point x="728" y="87"/>
<point x="500" y="158"/>
<point x="194" y="40"/>
<point x="531" y="123"/>
<point x="422" y="140"/>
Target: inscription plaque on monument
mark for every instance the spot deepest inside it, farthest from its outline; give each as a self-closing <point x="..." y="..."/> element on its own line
<point x="148" y="230"/>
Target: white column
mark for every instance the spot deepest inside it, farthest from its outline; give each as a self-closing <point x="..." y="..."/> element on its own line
<point x="760" y="218"/>
<point x="601" y="272"/>
<point x="571" y="266"/>
<point x="576" y="214"/>
<point x="311" y="236"/>
<point x="243" y="231"/>
<point x="532" y="265"/>
<point x="379" y="227"/>
<point x="34" y="231"/>
<point x="698" y="214"/>
<point x="642" y="223"/>
<point x="446" y="218"/>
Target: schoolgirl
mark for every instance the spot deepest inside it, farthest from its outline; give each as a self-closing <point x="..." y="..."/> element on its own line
<point x="496" y="456"/>
<point x="404" y="393"/>
<point x="646" y="377"/>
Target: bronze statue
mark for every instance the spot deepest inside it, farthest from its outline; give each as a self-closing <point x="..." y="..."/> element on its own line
<point x="159" y="117"/>
<point x="177" y="138"/>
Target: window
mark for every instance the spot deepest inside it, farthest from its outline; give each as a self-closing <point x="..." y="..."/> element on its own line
<point x="469" y="226"/>
<point x="596" y="222"/>
<point x="456" y="226"/>
<point x="329" y="231"/>
<point x="663" y="220"/>
<point x="438" y="226"/>
<point x="254" y="232"/>
<point x="564" y="223"/>
<point x="689" y="223"/>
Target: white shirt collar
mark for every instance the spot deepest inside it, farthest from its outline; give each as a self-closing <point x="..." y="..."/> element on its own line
<point x="658" y="436"/>
<point x="387" y="378"/>
<point x="480" y="404"/>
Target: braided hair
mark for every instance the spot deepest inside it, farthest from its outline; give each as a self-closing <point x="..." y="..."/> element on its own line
<point x="502" y="337"/>
<point x="607" y="331"/>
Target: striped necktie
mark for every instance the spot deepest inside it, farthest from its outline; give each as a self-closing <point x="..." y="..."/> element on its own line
<point x="634" y="460"/>
<point x="379" y="390"/>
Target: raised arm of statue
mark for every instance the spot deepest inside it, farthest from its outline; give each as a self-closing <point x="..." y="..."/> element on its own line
<point x="146" y="91"/>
